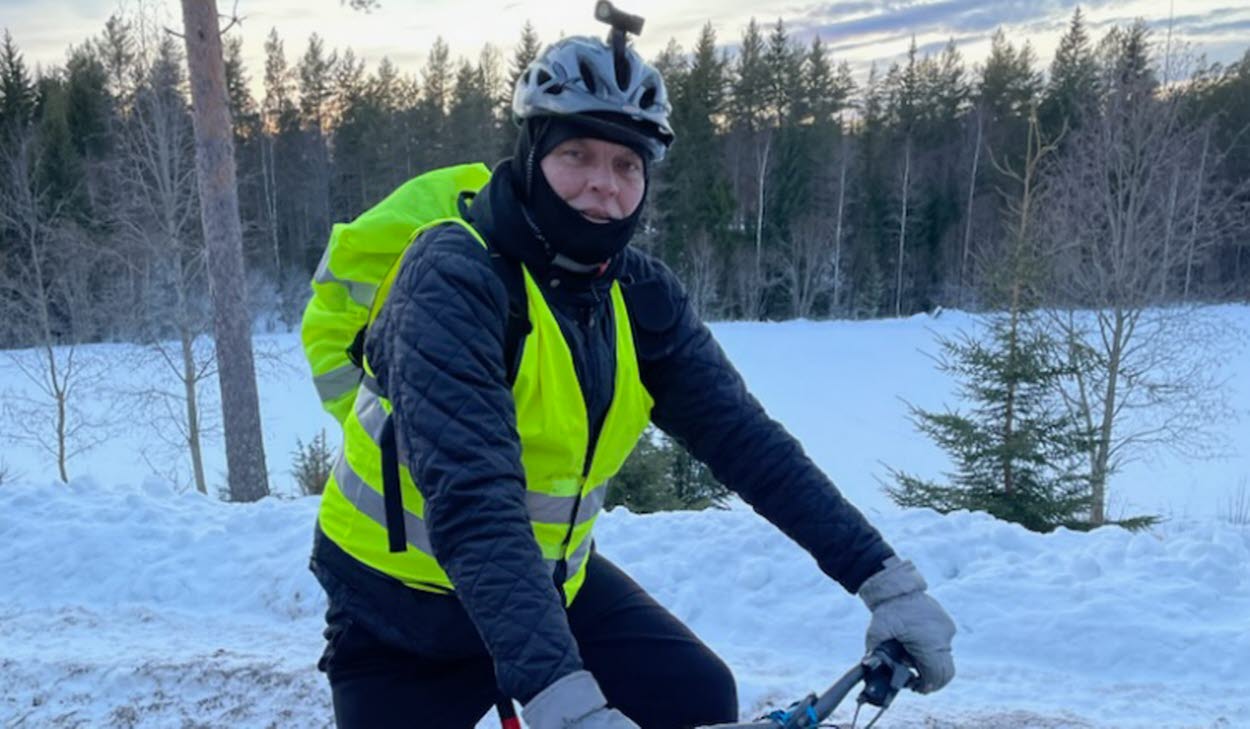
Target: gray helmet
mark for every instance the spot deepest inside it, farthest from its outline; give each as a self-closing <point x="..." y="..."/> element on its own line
<point x="577" y="76"/>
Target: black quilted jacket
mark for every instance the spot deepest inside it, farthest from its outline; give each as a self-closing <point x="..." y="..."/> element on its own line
<point x="438" y="351"/>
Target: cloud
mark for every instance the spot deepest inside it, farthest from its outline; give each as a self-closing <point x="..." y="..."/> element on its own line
<point x="1206" y="29"/>
<point x="850" y="23"/>
<point x="1220" y="28"/>
<point x="943" y="16"/>
<point x="850" y="8"/>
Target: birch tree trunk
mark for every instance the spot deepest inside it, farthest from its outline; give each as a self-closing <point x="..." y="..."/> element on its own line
<point x="972" y="188"/>
<point x="269" y="175"/>
<point x="837" y="233"/>
<point x="223" y="236"/>
<point x="1167" y="237"/>
<point x="902" y="231"/>
<point x="756" y="296"/>
<point x="1193" y="227"/>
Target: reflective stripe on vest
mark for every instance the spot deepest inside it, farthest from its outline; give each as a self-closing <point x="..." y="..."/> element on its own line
<point x="565" y="491"/>
<point x="337" y="382"/>
<point x="540" y="506"/>
<point x="360" y="291"/>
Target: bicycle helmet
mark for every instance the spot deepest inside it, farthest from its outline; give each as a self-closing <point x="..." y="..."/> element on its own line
<point x="623" y="97"/>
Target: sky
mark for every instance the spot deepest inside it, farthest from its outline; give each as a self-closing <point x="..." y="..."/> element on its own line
<point x="859" y="31"/>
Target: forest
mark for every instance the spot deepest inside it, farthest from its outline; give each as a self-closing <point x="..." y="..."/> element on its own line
<point x="794" y="189"/>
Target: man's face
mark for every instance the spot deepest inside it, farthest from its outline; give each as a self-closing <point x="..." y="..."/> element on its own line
<point x="601" y="180"/>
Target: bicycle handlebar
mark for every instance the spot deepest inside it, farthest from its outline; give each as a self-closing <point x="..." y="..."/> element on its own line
<point x="884" y="672"/>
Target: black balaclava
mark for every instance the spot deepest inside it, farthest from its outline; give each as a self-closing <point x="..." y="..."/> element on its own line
<point x="573" y="241"/>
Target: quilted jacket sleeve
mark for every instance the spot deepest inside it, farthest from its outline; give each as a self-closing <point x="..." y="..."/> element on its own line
<point x="437" y="350"/>
<point x="702" y="402"/>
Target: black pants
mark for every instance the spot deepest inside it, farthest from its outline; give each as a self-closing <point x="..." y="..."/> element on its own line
<point x="649" y="665"/>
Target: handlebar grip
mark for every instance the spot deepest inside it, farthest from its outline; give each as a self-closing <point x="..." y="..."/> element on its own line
<point x="895" y="651"/>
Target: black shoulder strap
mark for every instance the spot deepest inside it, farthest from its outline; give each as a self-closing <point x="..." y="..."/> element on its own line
<point x="392" y="496"/>
<point x="518" y="324"/>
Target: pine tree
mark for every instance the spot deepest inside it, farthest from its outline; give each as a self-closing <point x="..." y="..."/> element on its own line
<point x="279" y="150"/>
<point x="1224" y="103"/>
<point x="90" y="115"/>
<point x="946" y="90"/>
<point x="354" y="151"/>
<point x="90" y="105"/>
<point x="794" y="163"/>
<point x="242" y="105"/>
<point x="1126" y="63"/>
<point x="522" y="55"/>
<point x="248" y="150"/>
<point x="312" y="462"/>
<point x="1007" y="93"/>
<point x="436" y="82"/>
<point x="826" y="90"/>
<point x="750" y="83"/>
<point x="905" y="93"/>
<point x="278" y="101"/>
<point x="1072" y="89"/>
<point x="753" y="136"/>
<point x="311" y="188"/>
<point x="1016" y="456"/>
<point x="870" y="249"/>
<point x="667" y="212"/>
<point x="470" y="118"/>
<point x="390" y="168"/>
<point x="315" y="75"/>
<point x="660" y="475"/>
<point x="702" y="102"/>
<point x="784" y="92"/>
<point x="905" y="108"/>
<point x="939" y="148"/>
<point x="17" y="91"/>
<point x="1009" y="84"/>
<point x="116" y="49"/>
<point x="496" y="123"/>
<point x="59" y="167"/>
<point x="672" y="64"/>
<point x="693" y="187"/>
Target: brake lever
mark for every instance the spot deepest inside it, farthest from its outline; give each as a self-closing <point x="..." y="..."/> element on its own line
<point x="887" y="670"/>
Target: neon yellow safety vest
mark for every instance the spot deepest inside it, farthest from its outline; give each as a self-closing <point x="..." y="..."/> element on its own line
<point x="356" y="261"/>
<point x="564" y="491"/>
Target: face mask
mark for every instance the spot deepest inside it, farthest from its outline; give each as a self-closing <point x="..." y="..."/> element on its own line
<point x="571" y="234"/>
<point x="564" y="229"/>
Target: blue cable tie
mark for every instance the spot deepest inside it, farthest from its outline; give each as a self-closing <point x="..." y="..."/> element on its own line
<point x="811" y="714"/>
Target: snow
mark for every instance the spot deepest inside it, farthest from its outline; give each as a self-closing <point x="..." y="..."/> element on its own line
<point x="127" y="601"/>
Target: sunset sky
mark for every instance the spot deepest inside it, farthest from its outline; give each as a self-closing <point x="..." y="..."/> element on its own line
<point x="860" y="31"/>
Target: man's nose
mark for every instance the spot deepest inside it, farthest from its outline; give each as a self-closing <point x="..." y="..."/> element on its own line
<point x="603" y="178"/>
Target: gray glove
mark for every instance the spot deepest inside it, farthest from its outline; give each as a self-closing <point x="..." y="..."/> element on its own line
<point x="573" y="702"/>
<point x="902" y="610"/>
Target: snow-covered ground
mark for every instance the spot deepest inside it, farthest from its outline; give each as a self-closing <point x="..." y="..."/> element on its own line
<point x="128" y="601"/>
